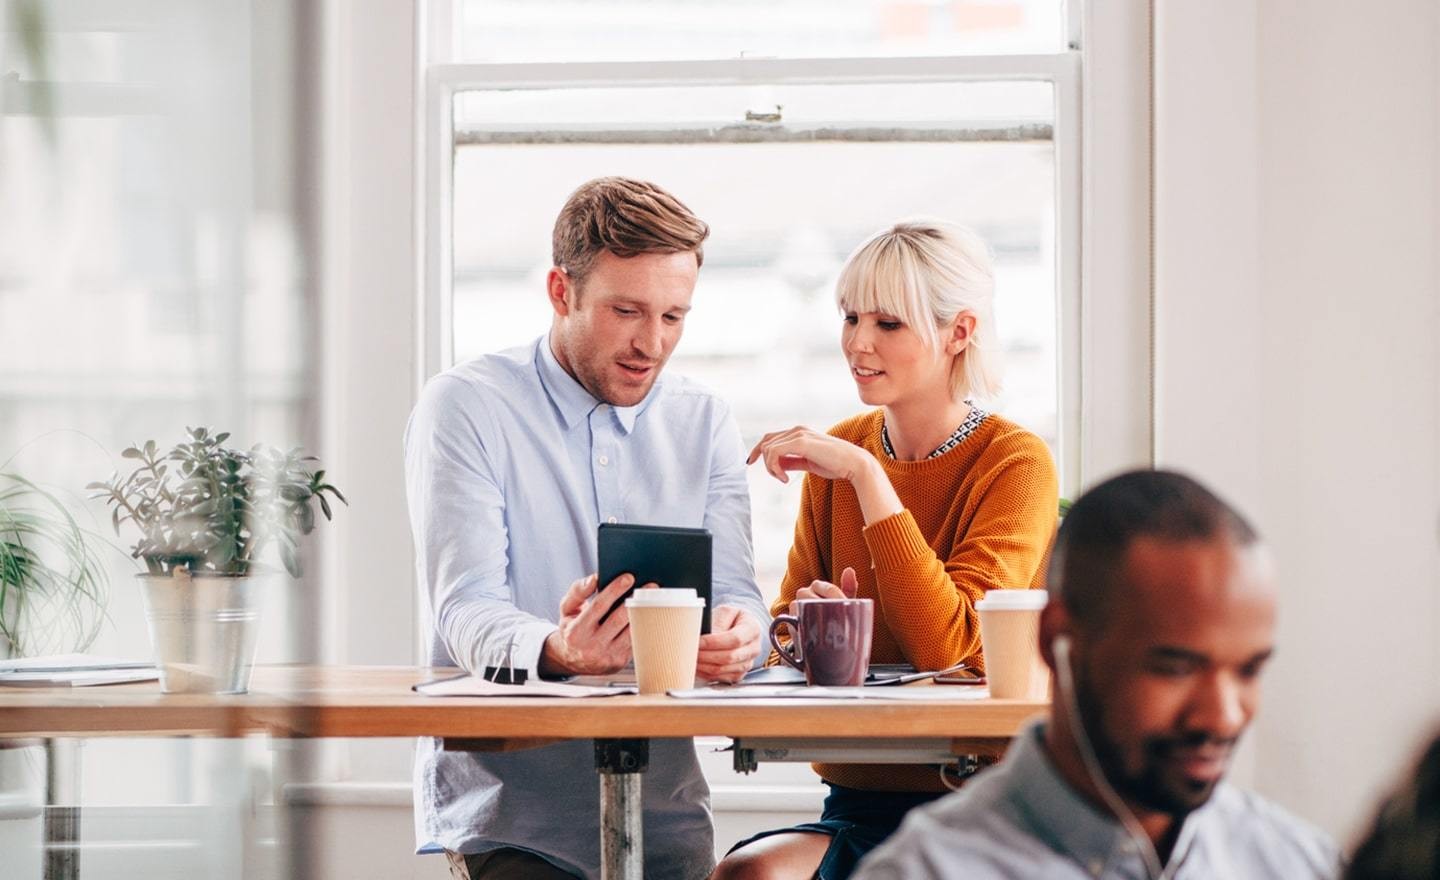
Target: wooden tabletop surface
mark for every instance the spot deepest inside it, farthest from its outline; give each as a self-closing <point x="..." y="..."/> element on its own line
<point x="366" y="701"/>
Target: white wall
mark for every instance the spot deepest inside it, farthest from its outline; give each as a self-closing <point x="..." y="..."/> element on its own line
<point x="1298" y="349"/>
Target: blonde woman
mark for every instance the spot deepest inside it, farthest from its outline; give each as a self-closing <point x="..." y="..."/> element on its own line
<point x="922" y="503"/>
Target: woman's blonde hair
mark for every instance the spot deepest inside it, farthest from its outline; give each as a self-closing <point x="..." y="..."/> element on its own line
<point x="925" y="273"/>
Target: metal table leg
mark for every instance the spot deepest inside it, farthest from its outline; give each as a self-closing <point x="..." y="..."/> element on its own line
<point x="620" y="763"/>
<point x="62" y="822"/>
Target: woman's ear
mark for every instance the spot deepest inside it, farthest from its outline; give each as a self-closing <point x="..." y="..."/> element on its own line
<point x="961" y="329"/>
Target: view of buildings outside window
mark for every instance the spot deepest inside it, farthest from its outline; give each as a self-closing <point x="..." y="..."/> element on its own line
<point x="642" y="30"/>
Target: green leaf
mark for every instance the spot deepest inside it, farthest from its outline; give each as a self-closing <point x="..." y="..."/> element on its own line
<point x="131" y="452"/>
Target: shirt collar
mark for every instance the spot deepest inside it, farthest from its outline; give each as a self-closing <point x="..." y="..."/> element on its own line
<point x="571" y="399"/>
<point x="1070" y="823"/>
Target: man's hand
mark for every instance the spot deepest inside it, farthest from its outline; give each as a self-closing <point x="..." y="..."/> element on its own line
<point x="583" y="645"/>
<point x="729" y="649"/>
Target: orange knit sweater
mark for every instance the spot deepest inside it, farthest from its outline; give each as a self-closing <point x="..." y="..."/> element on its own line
<point x="979" y="517"/>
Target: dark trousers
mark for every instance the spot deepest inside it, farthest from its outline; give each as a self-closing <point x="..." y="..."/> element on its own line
<point x="504" y="864"/>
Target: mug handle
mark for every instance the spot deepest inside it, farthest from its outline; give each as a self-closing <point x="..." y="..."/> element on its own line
<point x="797" y="659"/>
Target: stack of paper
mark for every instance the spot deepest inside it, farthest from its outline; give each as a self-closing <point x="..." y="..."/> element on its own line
<point x="73" y="670"/>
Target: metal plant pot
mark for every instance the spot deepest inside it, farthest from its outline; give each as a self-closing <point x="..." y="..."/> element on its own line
<point x="203" y="629"/>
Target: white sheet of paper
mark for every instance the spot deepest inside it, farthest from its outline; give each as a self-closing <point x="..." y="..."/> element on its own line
<point x="474" y="686"/>
<point x="940" y="693"/>
<point x="70" y="663"/>
<point x="77" y="678"/>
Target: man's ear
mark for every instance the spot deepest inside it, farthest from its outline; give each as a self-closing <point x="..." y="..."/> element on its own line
<point x="961" y="329"/>
<point x="560" y="288"/>
<point x="1054" y="622"/>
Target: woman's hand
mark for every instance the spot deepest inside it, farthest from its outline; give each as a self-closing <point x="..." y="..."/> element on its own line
<point x="849" y="585"/>
<point x="802" y="449"/>
<point x="829" y="458"/>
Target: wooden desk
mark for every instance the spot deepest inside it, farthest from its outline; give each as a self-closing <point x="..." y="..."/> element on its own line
<point x="296" y="701"/>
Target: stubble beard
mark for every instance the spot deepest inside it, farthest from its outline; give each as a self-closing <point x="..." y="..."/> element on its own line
<point x="1148" y="787"/>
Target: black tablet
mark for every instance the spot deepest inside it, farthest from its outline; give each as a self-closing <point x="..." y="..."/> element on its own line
<point x="669" y="556"/>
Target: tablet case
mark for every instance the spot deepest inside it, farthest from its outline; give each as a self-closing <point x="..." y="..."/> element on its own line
<point x="666" y="555"/>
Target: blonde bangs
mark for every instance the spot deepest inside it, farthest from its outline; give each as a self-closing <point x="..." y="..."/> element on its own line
<point x="924" y="273"/>
<point x="882" y="276"/>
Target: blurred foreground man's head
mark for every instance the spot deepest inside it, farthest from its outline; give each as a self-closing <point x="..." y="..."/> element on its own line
<point x="1162" y="619"/>
<point x="1160" y="622"/>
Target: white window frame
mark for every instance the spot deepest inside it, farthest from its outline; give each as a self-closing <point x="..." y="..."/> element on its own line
<point x="443" y="82"/>
<point x="1103" y="139"/>
<point x="1104" y="170"/>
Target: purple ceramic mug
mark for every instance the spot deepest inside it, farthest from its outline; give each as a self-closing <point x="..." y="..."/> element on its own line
<point x="829" y="638"/>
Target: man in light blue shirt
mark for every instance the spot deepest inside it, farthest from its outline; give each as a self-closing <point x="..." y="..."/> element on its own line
<point x="1161" y="620"/>
<point x="512" y="462"/>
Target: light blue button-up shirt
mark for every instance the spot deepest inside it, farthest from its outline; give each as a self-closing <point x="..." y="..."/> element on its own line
<point x="1022" y="820"/>
<point x="511" y="465"/>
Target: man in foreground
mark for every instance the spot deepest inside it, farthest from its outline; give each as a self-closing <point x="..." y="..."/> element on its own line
<point x="512" y="461"/>
<point x="1161" y="619"/>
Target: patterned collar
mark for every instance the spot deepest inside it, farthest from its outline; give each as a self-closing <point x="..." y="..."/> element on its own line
<point x="967" y="427"/>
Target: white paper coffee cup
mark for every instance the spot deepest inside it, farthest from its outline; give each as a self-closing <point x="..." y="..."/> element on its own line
<point x="1010" y="639"/>
<point x="664" y="637"/>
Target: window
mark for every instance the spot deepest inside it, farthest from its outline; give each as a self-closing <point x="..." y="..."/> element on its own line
<point x="522" y="101"/>
<point x="792" y="160"/>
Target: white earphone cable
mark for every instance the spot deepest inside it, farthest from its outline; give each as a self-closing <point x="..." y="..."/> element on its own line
<point x="1153" y="868"/>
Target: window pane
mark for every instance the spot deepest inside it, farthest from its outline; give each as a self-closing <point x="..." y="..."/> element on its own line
<point x="642" y="30"/>
<point x="907" y="108"/>
<point x="764" y="332"/>
<point x="151" y="278"/>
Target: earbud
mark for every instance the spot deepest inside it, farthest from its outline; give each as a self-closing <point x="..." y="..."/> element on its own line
<point x="1060" y="646"/>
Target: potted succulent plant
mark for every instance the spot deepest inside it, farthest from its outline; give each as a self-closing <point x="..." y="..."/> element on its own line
<point x="209" y="518"/>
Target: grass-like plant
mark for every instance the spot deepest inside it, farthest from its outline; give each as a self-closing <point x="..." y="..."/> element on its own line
<point x="52" y="579"/>
<point x="207" y="508"/>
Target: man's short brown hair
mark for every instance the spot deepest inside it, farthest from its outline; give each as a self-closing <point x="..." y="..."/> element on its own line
<point x="625" y="217"/>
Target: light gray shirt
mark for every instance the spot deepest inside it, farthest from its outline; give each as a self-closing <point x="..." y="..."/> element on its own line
<point x="510" y="467"/>
<point x="1020" y="819"/>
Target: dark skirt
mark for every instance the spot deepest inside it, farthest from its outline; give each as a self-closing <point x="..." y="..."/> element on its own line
<point x="856" y="821"/>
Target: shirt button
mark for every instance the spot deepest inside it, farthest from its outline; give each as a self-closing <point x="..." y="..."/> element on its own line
<point x="611" y="519"/>
<point x="604" y="460"/>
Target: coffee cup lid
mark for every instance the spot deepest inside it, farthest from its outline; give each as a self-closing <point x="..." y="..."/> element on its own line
<point x="664" y="597"/>
<point x="1013" y="600"/>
